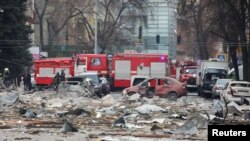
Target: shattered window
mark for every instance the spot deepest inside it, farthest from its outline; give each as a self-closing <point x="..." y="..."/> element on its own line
<point x="95" y="62"/>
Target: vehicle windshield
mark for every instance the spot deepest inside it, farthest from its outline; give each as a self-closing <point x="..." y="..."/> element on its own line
<point x="143" y="83"/>
<point x="138" y="81"/>
<point x="215" y="70"/>
<point x="190" y="71"/>
<point x="213" y="77"/>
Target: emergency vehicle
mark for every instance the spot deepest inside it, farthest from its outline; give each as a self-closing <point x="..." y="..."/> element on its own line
<point x="188" y="75"/>
<point x="118" y="70"/>
<point x="46" y="69"/>
<point x="125" y="65"/>
<point x="91" y="63"/>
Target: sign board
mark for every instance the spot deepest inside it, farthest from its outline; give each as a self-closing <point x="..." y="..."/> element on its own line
<point x="35" y="51"/>
<point x="222" y="57"/>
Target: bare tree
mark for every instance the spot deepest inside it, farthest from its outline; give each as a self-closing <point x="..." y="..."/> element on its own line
<point x="40" y="9"/>
<point x="231" y="18"/>
<point x="110" y="29"/>
<point x="228" y="20"/>
<point x="59" y="19"/>
<point x="196" y="14"/>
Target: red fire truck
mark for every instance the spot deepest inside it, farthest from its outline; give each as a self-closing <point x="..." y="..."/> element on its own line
<point x="46" y="69"/>
<point x="126" y="65"/>
<point x="188" y="74"/>
<point x="119" y="70"/>
<point x="91" y="63"/>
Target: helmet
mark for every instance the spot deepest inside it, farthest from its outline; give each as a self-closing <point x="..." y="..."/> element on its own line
<point x="6" y="69"/>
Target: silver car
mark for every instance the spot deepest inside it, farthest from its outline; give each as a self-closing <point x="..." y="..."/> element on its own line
<point x="218" y="87"/>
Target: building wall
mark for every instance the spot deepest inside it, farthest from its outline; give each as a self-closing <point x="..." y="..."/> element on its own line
<point x="160" y="19"/>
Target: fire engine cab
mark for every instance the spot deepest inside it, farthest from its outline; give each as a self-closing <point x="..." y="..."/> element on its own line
<point x="126" y="65"/>
<point x="91" y="63"/>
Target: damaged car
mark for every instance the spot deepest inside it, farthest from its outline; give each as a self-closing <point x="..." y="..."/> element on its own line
<point x="163" y="87"/>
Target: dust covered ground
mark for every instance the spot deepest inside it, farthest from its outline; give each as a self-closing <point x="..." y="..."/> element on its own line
<point x="73" y="115"/>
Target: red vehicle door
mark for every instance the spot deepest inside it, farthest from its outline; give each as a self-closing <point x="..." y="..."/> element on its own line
<point x="163" y="86"/>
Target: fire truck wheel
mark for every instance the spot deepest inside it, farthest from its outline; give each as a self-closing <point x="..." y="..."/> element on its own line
<point x="172" y="96"/>
<point x="131" y="93"/>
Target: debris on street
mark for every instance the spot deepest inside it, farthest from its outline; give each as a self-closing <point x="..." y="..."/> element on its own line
<point x="75" y="115"/>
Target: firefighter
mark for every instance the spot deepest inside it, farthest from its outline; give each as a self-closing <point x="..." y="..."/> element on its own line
<point x="26" y="79"/>
<point x="24" y="75"/>
<point x="56" y="81"/>
<point x="29" y="85"/>
<point x="62" y="76"/>
<point x="1" y="81"/>
<point x="7" y="80"/>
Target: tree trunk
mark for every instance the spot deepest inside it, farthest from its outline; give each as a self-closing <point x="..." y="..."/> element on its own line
<point x="233" y="54"/>
<point x="245" y="60"/>
<point x="41" y="34"/>
<point x="243" y="41"/>
<point x="248" y="43"/>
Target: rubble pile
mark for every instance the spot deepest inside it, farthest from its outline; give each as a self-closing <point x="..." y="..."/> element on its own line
<point x="75" y="115"/>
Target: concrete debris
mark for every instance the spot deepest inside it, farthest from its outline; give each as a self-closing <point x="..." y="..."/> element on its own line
<point x="191" y="126"/>
<point x="44" y="114"/>
<point x="78" y="112"/>
<point x="179" y="116"/>
<point x="146" y="108"/>
<point x="247" y="116"/>
<point x="98" y="115"/>
<point x="134" y="97"/>
<point x="218" y="108"/>
<point x="108" y="99"/>
<point x="68" y="127"/>
<point x="243" y="101"/>
<point x="29" y="114"/>
<point x="159" y="120"/>
<point x="155" y="128"/>
<point x="9" y="99"/>
<point x="187" y="129"/>
<point x="108" y="139"/>
<point x="120" y="122"/>
<point x="234" y="109"/>
<point x="108" y="110"/>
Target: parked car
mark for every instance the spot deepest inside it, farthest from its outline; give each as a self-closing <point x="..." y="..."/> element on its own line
<point x="164" y="87"/>
<point x="218" y="87"/>
<point x="234" y="90"/>
<point x="98" y="85"/>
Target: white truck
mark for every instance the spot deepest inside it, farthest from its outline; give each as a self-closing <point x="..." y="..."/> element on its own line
<point x="207" y="74"/>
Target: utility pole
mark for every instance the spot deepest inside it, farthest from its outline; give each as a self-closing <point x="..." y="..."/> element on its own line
<point x="96" y="25"/>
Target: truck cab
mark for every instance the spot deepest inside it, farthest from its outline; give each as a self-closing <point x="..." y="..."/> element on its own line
<point x="208" y="74"/>
<point x="188" y="75"/>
